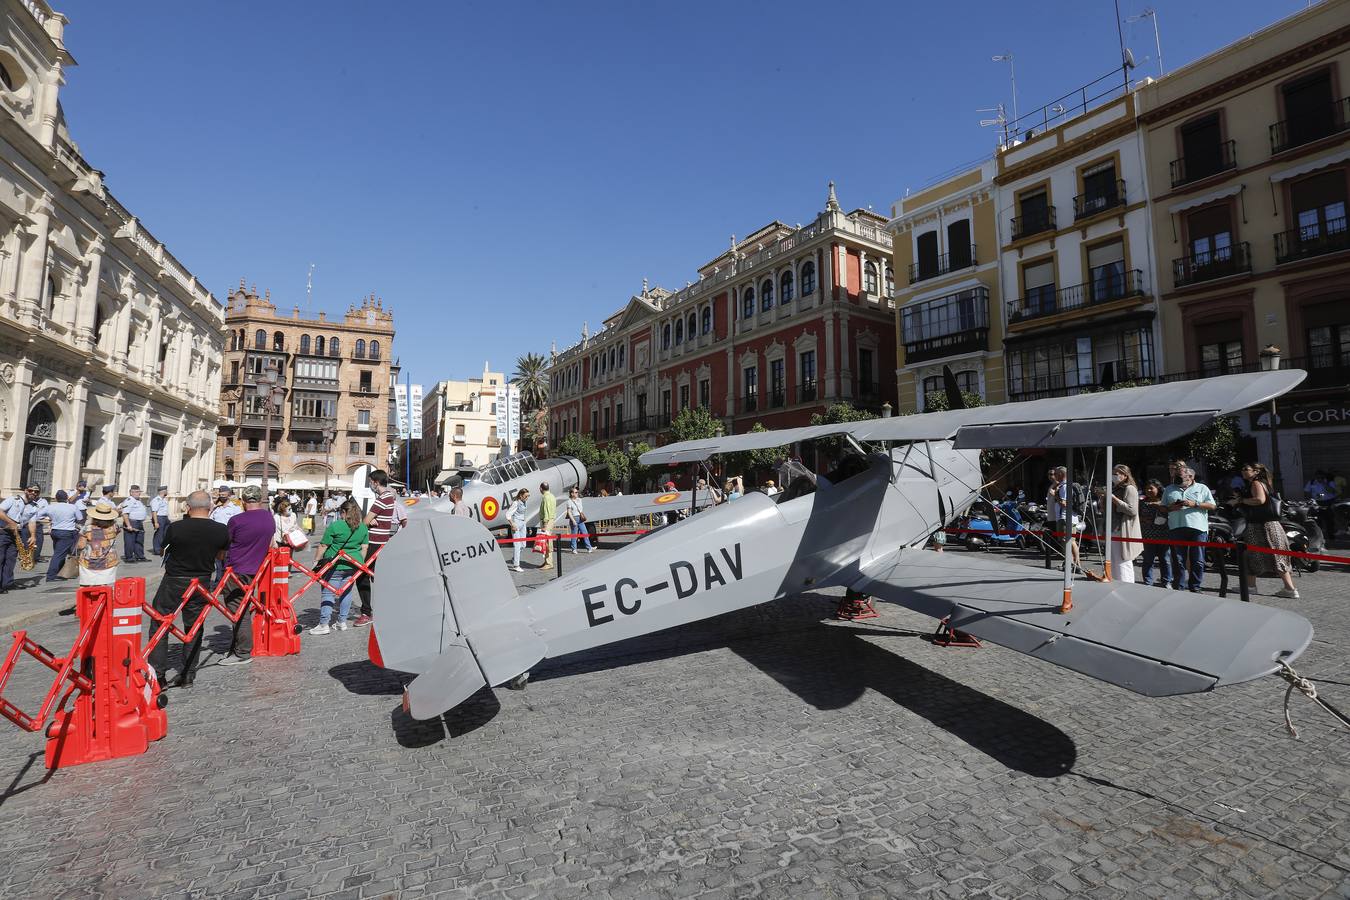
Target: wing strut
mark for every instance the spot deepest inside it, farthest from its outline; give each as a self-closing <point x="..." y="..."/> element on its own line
<point x="1066" y="509"/>
<point x="1109" y="499"/>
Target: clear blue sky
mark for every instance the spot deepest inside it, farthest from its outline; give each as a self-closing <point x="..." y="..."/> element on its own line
<point x="499" y="172"/>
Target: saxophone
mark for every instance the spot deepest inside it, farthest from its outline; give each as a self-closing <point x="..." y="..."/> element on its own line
<point x="26" y="551"/>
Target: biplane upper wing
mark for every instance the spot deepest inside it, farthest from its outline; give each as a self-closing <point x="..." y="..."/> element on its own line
<point x="1150" y="414"/>
<point x="1152" y="641"/>
<point x="602" y="509"/>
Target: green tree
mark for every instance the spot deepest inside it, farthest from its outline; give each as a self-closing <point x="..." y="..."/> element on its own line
<point x="619" y="463"/>
<point x="837" y="414"/>
<point x="694" y="423"/>
<point x="1215" y="443"/>
<point x="581" y="446"/>
<point x="638" y="474"/>
<point x="746" y="461"/>
<point x="532" y="380"/>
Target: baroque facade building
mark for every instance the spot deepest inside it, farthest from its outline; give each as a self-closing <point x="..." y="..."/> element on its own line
<point x="337" y="378"/>
<point x="778" y="327"/>
<point x="459" y="429"/>
<point x="109" y="347"/>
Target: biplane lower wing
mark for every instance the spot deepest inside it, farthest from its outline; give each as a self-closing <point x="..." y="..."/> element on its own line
<point x="1151" y="641"/>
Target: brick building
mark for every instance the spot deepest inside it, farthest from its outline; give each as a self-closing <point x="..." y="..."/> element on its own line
<point x="784" y="323"/>
<point x="337" y="376"/>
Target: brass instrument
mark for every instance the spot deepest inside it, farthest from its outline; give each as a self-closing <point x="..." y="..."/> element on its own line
<point x="27" y="552"/>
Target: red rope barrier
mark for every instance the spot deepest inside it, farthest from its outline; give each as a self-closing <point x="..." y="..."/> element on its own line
<point x="1217" y="545"/>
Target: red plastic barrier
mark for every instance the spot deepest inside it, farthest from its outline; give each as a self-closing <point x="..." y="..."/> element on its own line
<point x="275" y="630"/>
<point x="120" y="713"/>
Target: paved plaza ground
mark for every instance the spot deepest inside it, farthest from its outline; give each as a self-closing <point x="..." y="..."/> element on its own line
<point x="771" y="752"/>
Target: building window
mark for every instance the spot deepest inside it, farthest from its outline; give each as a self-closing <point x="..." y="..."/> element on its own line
<point x="363" y="417"/>
<point x="967" y="382"/>
<point x="304" y="344"/>
<point x="360" y="349"/>
<point x="374" y="349"/>
<point x="618" y="416"/>
<point x="364" y="384"/>
<point x="807" y="370"/>
<point x="808" y="278"/>
<point x="777" y="383"/>
<point x="1318" y="207"/>
<point x="679" y="332"/>
<point x="370" y="448"/>
<point x="1038" y="288"/>
<point x="960" y="252"/>
<point x="260" y="339"/>
<point x="684" y="396"/>
<point x="334" y="347"/>
<point x="1106" y="271"/>
<point x="1220" y="347"/>
<point x="705" y="393"/>
<point x="890" y="282"/>
<point x="278" y="341"/>
<point x="354" y="448"/>
<point x="866" y="385"/>
<point x="750" y="382"/>
<point x="1066" y="365"/>
<point x="1203" y="151"/>
<point x="748" y="303"/>
<point x="665" y="336"/>
<point x="707" y="320"/>
<point x="318" y="345"/>
<point x="766" y="295"/>
<point x="785" y="287"/>
<point x="1310" y="112"/>
<point x="870" y="278"/>
<point x="605" y="412"/>
<point x="621" y="349"/>
<point x="1329" y="345"/>
<point x="926" y="256"/>
<point x="665" y="404"/>
<point x="1101" y="190"/>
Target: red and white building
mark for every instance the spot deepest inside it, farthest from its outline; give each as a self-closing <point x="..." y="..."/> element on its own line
<point x="780" y="326"/>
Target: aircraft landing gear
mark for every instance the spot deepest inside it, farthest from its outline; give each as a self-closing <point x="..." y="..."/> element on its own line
<point x="855" y="606"/>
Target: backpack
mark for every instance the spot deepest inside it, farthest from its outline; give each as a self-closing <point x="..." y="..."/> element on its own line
<point x="1078" y="498"/>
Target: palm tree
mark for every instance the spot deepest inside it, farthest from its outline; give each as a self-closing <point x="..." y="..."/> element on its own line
<point x="532" y="381"/>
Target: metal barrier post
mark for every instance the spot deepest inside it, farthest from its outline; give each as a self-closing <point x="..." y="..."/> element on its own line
<point x="275" y="631"/>
<point x="1244" y="593"/>
<point x="123" y="712"/>
<point x="557" y="553"/>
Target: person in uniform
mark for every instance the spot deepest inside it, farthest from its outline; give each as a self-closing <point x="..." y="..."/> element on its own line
<point x="61" y="518"/>
<point x="80" y="498"/>
<point x="11" y="533"/>
<point x="159" y="517"/>
<point x="134" y="514"/>
<point x="35" y="513"/>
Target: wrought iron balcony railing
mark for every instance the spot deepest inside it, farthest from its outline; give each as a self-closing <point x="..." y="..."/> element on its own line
<point x="1047" y="301"/>
<point x="1218" y="263"/>
<point x="1314" y="240"/>
<point x="1202" y="165"/>
<point x="1310" y="126"/>
<point x="1090" y="204"/>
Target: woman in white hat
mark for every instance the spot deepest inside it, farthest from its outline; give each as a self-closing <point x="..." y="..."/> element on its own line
<point x="97" y="545"/>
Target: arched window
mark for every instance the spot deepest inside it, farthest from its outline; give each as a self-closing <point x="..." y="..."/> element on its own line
<point x="39" y="448"/>
<point x="304" y="345"/>
<point x="870" y="278"/>
<point x="808" y="277"/>
<point x="890" y="281"/>
<point x="748" y="303"/>
<point x="611" y="357"/>
<point x="691" y="326"/>
<point x="229" y="470"/>
<point x="374" y="349"/>
<point x="334" y="346"/>
<point x="766" y="295"/>
<point x="679" y="332"/>
<point x="49" y="301"/>
<point x="785" y="287"/>
<point x="360" y="349"/>
<point x="260" y="340"/>
<point x="665" y="336"/>
<point x="318" y="346"/>
<point x="707" y="319"/>
<point x="621" y="349"/>
<point x="278" y="341"/>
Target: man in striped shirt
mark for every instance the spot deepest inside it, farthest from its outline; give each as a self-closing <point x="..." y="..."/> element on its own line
<point x="380" y="522"/>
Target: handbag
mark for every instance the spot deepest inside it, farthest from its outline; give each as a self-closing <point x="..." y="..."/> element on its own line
<point x="71" y="567"/>
<point x="297" y="539"/>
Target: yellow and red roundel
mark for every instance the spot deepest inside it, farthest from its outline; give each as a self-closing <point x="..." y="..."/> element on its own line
<point x="667" y="498"/>
<point x="489" y="508"/>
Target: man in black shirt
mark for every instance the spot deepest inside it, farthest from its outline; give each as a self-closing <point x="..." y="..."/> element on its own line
<point x="191" y="547"/>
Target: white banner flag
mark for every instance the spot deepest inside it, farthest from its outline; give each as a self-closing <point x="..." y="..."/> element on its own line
<point x="401" y="405"/>
<point x="415" y="412"/>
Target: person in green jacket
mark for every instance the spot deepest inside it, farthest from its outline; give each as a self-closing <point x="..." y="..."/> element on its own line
<point x="548" y="511"/>
<point x="347" y="535"/>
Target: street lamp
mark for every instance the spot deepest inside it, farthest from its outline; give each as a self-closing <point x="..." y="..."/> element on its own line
<point x="271" y="394"/>
<point x="1270" y="362"/>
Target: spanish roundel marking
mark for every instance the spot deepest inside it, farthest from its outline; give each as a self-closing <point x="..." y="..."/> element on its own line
<point x="489" y="507"/>
<point x="667" y="498"/>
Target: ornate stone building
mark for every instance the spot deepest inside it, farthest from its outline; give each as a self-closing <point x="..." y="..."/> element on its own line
<point x="778" y="327"/>
<point x="337" y="377"/>
<point x="109" y="347"/>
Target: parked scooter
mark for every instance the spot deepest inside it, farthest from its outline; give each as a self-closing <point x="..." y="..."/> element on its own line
<point x="1299" y="520"/>
<point x="987" y="526"/>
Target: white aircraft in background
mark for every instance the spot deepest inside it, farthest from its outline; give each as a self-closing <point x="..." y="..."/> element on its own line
<point x="460" y="624"/>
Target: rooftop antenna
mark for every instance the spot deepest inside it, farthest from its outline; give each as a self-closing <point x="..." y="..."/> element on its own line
<point x="1151" y="13"/>
<point x="1012" y="75"/>
<point x="309" y="290"/>
<point x="1001" y="120"/>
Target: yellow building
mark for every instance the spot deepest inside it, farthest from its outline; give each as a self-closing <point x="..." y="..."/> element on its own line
<point x="948" y="313"/>
<point x="1248" y="166"/>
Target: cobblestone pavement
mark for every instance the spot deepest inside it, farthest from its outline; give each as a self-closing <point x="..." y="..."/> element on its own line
<point x="770" y="752"/>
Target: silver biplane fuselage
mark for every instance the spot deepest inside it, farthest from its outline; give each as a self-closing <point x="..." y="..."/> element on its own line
<point x="491" y="492"/>
<point x="460" y="625"/>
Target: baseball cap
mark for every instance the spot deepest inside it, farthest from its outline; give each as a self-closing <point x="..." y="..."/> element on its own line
<point x="109" y="488"/>
<point x="251" y="493"/>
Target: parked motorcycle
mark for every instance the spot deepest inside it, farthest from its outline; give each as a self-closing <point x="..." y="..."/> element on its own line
<point x="1299" y="520"/>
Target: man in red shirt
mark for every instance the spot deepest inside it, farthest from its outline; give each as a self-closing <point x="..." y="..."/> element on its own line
<point x="380" y="522"/>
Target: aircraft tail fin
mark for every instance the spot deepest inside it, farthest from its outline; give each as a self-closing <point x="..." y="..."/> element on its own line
<point x="449" y="613"/>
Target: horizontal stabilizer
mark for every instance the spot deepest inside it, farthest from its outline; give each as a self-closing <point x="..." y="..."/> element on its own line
<point x="452" y="678"/>
<point x="1152" y="641"/>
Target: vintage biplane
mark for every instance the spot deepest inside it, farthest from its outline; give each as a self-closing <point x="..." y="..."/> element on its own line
<point x="459" y="624"/>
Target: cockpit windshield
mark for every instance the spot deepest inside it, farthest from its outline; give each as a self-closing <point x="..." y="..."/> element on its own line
<point x="503" y="470"/>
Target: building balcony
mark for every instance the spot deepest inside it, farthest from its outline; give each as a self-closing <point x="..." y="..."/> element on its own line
<point x="366" y="428"/>
<point x="1047" y="301"/>
<point x="1028" y="224"/>
<point x="971" y="340"/>
<point x="1310" y="126"/>
<point x="316" y="384"/>
<point x="806" y="393"/>
<point x="777" y="398"/>
<point x="312" y="423"/>
<point x="1220" y="158"/>
<point x="952" y="261"/>
<point x="944" y="326"/>
<point x="260" y="420"/>
<point x="1314" y="240"/>
<point x="1087" y="205"/>
<point x="747" y="404"/>
<point x="1221" y="263"/>
<point x="1037" y="388"/>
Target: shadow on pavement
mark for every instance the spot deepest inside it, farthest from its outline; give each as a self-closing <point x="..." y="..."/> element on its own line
<point x="367" y="679"/>
<point x="469" y="716"/>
